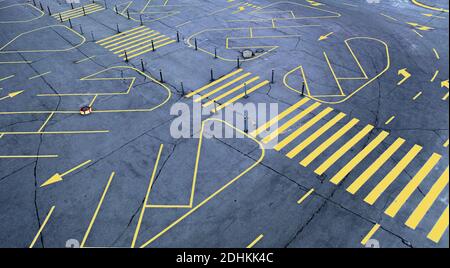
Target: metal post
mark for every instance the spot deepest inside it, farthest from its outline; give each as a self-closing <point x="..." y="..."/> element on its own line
<point x="212" y="75"/>
<point x="92" y="34"/>
<point x="84" y="11"/>
<point x="106" y="6"/>
<point x="140" y="18"/>
<point x="70" y="23"/>
<point x="215" y="52"/>
<point x="161" y="76"/>
<point x="303" y="88"/>
<point x="178" y="37"/>
<point x="142" y="65"/>
<point x="117" y="10"/>
<point x="49" y="12"/>
<point x="128" y="14"/>
<point x="34" y="3"/>
<point x="60" y="17"/>
<point x="273" y="77"/>
<point x="117" y="26"/>
<point x="182" y="88"/>
<point x="153" y="46"/>
<point x="238" y="63"/>
<point x="126" y="56"/>
<point x="40" y="4"/>
<point x="71" y="5"/>
<point x="246" y="124"/>
<point x="245" y="91"/>
<point x="196" y="46"/>
<point x="81" y="29"/>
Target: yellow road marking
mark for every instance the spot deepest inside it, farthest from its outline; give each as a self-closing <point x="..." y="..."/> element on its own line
<point x="144" y="205"/>
<point x="252" y="244"/>
<point x="145" y="46"/>
<point x="434" y="76"/>
<point x="369" y="172"/>
<point x="389" y="120"/>
<point x="94" y="217"/>
<point x="404" y="195"/>
<point x="151" y="49"/>
<point x="39" y="75"/>
<point x="445" y="96"/>
<point x="56" y="132"/>
<point x="334" y="74"/>
<point x="419" y="34"/>
<point x="291" y="122"/>
<point x="7" y="77"/>
<point x="359" y="157"/>
<point x="418" y="3"/>
<point x="144" y="32"/>
<point x="223" y="86"/>
<point x="121" y="36"/>
<point x="45" y="123"/>
<point x="370" y="234"/>
<point x="426" y="203"/>
<point x="330" y="141"/>
<point x="102" y="41"/>
<point x="240" y="96"/>
<point x="231" y="91"/>
<point x="389" y="17"/>
<point x="28" y="156"/>
<point x="279" y="117"/>
<point x="85" y="59"/>
<point x="78" y="13"/>
<point x="373" y="196"/>
<point x="129" y="46"/>
<point x="59" y="177"/>
<point x="305" y="196"/>
<point x="417" y="95"/>
<point x="303" y="128"/>
<point x="49" y="214"/>
<point x="446" y="144"/>
<point x="343" y="150"/>
<point x="91" y="104"/>
<point x="299" y="148"/>
<point x="439" y="228"/>
<point x="436" y="53"/>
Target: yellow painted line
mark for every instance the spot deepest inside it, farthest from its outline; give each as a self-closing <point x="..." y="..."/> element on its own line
<point x="445" y="96"/>
<point x="142" y="47"/>
<point x="299" y="148"/>
<point x="143" y="32"/>
<point x="39" y="75"/>
<point x="370" y="234"/>
<point x="279" y="117"/>
<point x="419" y="34"/>
<point x="439" y="228"/>
<point x="223" y="86"/>
<point x="436" y="54"/>
<point x="389" y="120"/>
<point x="291" y="122"/>
<point x="46" y="121"/>
<point x="373" y="196"/>
<point x="75" y="10"/>
<point x="49" y="214"/>
<point x="334" y="74"/>
<point x="330" y="141"/>
<point x="359" y="158"/>
<point x="56" y="132"/>
<point x="303" y="128"/>
<point x="91" y="104"/>
<point x="85" y="59"/>
<point x="136" y="43"/>
<point x="182" y="24"/>
<point x="75" y="168"/>
<point x="214" y="83"/>
<point x="102" y="41"/>
<point x="426" y="203"/>
<point x="118" y="37"/>
<point x="141" y="215"/>
<point x="15" y="62"/>
<point x="229" y="92"/>
<point x="417" y="95"/>
<point x="305" y="196"/>
<point x="94" y="217"/>
<point x="79" y="13"/>
<point x="27" y="156"/>
<point x="369" y="172"/>
<point x="434" y="76"/>
<point x="404" y="195"/>
<point x="389" y="17"/>
<point x="420" y="4"/>
<point x="252" y="244"/>
<point x="343" y="150"/>
<point x="151" y="49"/>
<point x="7" y="77"/>
<point x="446" y="144"/>
<point x="240" y="96"/>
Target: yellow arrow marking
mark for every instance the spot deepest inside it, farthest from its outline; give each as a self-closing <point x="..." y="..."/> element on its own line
<point x="59" y="177"/>
<point x="406" y="75"/>
<point x="444" y="83"/>
<point x="323" y="37"/>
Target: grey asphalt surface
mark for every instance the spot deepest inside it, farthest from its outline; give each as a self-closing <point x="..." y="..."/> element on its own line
<point x="241" y="191"/>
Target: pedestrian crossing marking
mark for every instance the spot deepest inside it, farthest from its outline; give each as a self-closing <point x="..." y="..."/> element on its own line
<point x="429" y="199"/>
<point x="343" y="150"/>
<point x="240" y="96"/>
<point x="291" y="122"/>
<point x="227" y="93"/>
<point x="135" y="42"/>
<point x="77" y="12"/>
<point x="375" y="166"/>
<point x="439" y="228"/>
<point x="303" y="128"/>
<point x="330" y="141"/>
<point x="212" y="92"/>
<point x="359" y="158"/>
<point x="299" y="148"/>
<point x="214" y="83"/>
<point x="404" y="195"/>
<point x="373" y="196"/>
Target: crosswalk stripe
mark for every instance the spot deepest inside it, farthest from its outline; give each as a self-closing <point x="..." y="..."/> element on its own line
<point x="231" y="91"/>
<point x="145" y="32"/>
<point x="330" y="141"/>
<point x="359" y="158"/>
<point x="120" y="34"/>
<point x="240" y="96"/>
<point x="439" y="228"/>
<point x="291" y="122"/>
<point x="299" y="148"/>
<point x="75" y="10"/>
<point x="279" y="117"/>
<point x="237" y="79"/>
<point x="373" y="196"/>
<point x="80" y="12"/>
<point x="344" y="149"/>
<point x="214" y="83"/>
<point x="303" y="128"/>
<point x="426" y="203"/>
<point x="369" y="172"/>
<point x="136" y="43"/>
<point x="151" y="49"/>
<point x="404" y="195"/>
<point x="143" y="47"/>
<point x="121" y="37"/>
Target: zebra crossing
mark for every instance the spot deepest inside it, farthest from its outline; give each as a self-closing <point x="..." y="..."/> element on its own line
<point x="77" y="12"/>
<point x="227" y="90"/>
<point x="342" y="130"/>
<point x="135" y="42"/>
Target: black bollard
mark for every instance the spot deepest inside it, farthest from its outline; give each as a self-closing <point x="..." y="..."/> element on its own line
<point x="212" y="75"/>
<point x="70" y="24"/>
<point x="117" y="10"/>
<point x="245" y="124"/>
<point x="34" y="3"/>
<point x="71" y="5"/>
<point x="196" y="46"/>
<point x="81" y="29"/>
<point x="140" y="18"/>
<point x="161" y="76"/>
<point x="182" y="88"/>
<point x="303" y="88"/>
<point x="142" y="65"/>
<point x="40" y="4"/>
<point x="178" y="37"/>
<point x="215" y="52"/>
<point x="128" y="14"/>
<point x="238" y="63"/>
<point x="153" y="46"/>
<point x="84" y="11"/>
<point x="60" y="17"/>
<point x="245" y="91"/>
<point x="273" y="77"/>
<point x="49" y="12"/>
<point x="117" y="26"/>
<point x="92" y="34"/>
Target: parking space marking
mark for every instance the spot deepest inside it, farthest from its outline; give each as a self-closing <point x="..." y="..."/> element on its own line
<point x="7" y="77"/>
<point x="254" y="242"/>
<point x="419" y="213"/>
<point x="85" y="59"/>
<point x="39" y="75"/>
<point x="27" y="156"/>
<point x="370" y="234"/>
<point x="49" y="214"/>
<point x="408" y="190"/>
<point x="305" y="196"/>
<point x="439" y="228"/>
<point x="94" y="217"/>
